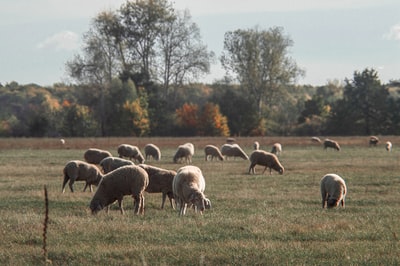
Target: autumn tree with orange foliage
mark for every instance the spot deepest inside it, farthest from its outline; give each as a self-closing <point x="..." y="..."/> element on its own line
<point x="206" y="122"/>
<point x="137" y="112"/>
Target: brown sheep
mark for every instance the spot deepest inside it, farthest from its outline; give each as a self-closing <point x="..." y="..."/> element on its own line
<point x="328" y="143"/>
<point x="81" y="171"/>
<point x="160" y="180"/>
<point x="111" y="163"/>
<point x="276" y="148"/>
<point x="185" y="151"/>
<point x="126" y="180"/>
<point x="212" y="152"/>
<point x="333" y="190"/>
<point x="152" y="151"/>
<point x="233" y="150"/>
<point x="373" y="141"/>
<point x="267" y="159"/>
<point x="95" y="156"/>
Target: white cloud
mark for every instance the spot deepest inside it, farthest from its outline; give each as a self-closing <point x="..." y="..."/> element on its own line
<point x="65" y="40"/>
<point x="394" y="33"/>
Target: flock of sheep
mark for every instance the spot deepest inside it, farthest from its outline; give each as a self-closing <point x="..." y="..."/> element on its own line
<point x="185" y="187"/>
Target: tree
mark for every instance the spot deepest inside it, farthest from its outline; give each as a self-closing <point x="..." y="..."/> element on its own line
<point x="212" y="122"/>
<point x="260" y="62"/>
<point x="182" y="54"/>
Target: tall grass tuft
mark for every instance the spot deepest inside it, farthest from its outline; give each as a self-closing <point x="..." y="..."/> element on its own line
<point x="45" y="224"/>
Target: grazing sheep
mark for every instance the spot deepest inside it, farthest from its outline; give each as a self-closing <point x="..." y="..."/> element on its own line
<point x="185" y="151"/>
<point x="233" y="150"/>
<point x="131" y="152"/>
<point x="151" y="150"/>
<point x="267" y="159"/>
<point x="256" y="145"/>
<point x="95" y="156"/>
<point x="230" y="140"/>
<point x="62" y="141"/>
<point x="315" y="140"/>
<point x="373" y="140"/>
<point x="213" y="151"/>
<point x="276" y="148"/>
<point x="388" y="146"/>
<point x="328" y="143"/>
<point x="81" y="171"/>
<point x="160" y="180"/>
<point x="126" y="180"/>
<point x="333" y="190"/>
<point x="111" y="163"/>
<point x="188" y="187"/>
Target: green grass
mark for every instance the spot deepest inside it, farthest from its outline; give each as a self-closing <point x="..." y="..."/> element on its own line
<point x="254" y="220"/>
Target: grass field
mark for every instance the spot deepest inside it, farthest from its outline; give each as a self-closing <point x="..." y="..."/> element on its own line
<point x="255" y="220"/>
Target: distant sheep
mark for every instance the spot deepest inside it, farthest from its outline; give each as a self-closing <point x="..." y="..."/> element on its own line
<point x="328" y="143"/>
<point x="185" y="151"/>
<point x="131" y="152"/>
<point x="316" y="140"/>
<point x="267" y="159"/>
<point x="388" y="146"/>
<point x="276" y="148"/>
<point x="81" y="171"/>
<point x="109" y="164"/>
<point x="126" y="180"/>
<point x="95" y="156"/>
<point x="230" y="140"/>
<point x="373" y="140"/>
<point x="160" y="181"/>
<point x="62" y="141"/>
<point x="256" y="145"/>
<point x="188" y="187"/>
<point x="233" y="150"/>
<point x="152" y="151"/>
<point x="333" y="191"/>
<point x="212" y="152"/>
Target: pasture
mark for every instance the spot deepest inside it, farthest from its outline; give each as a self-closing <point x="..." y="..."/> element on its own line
<point x="259" y="219"/>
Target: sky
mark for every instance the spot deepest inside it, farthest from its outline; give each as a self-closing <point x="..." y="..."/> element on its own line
<point x="331" y="38"/>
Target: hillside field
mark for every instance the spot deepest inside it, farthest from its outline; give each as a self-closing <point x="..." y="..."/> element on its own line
<point x="259" y="219"/>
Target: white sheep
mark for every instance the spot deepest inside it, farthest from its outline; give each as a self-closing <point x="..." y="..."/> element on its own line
<point x="109" y="164"/>
<point x="152" y="151"/>
<point x="185" y="151"/>
<point x="276" y="148"/>
<point x="95" y="156"/>
<point x="81" y="171"/>
<point x="126" y="180"/>
<point x="388" y="146"/>
<point x="131" y="152"/>
<point x="62" y="141"/>
<point x="328" y="143"/>
<point x="212" y="152"/>
<point x="188" y="187"/>
<point x="256" y="145"/>
<point x="333" y="190"/>
<point x="160" y="181"/>
<point x="315" y="140"/>
<point x="233" y="150"/>
<point x="267" y="159"/>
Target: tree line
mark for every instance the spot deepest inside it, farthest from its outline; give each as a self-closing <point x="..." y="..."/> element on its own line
<point x="137" y="75"/>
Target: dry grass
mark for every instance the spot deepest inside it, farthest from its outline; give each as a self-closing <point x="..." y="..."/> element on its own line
<point x="255" y="220"/>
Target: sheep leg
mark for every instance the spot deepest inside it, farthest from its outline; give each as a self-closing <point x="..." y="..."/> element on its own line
<point x="66" y="178"/>
<point x="342" y="201"/>
<point x="171" y="197"/>
<point x="251" y="169"/>
<point x="265" y="169"/>
<point x="164" y="196"/>
<point x="120" y="205"/>
<point x="71" y="183"/>
<point x="141" y="203"/>
<point x="88" y="185"/>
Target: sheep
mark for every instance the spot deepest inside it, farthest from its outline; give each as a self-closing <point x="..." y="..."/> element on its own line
<point x="151" y="150"/>
<point x="373" y="140"/>
<point x="230" y="140"/>
<point x="267" y="159"/>
<point x="62" y="141"/>
<point x="185" y="151"/>
<point x="212" y="151"/>
<point x="256" y="145"/>
<point x="328" y="143"/>
<point x="95" y="156"/>
<point x="276" y="148"/>
<point x="77" y="170"/>
<point x="333" y="190"/>
<point x="388" y="146"/>
<point x="160" y="180"/>
<point x="188" y="187"/>
<point x="233" y="150"/>
<point x="315" y="140"/>
<point x="126" y="180"/>
<point x="131" y="152"/>
<point x="111" y="163"/>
